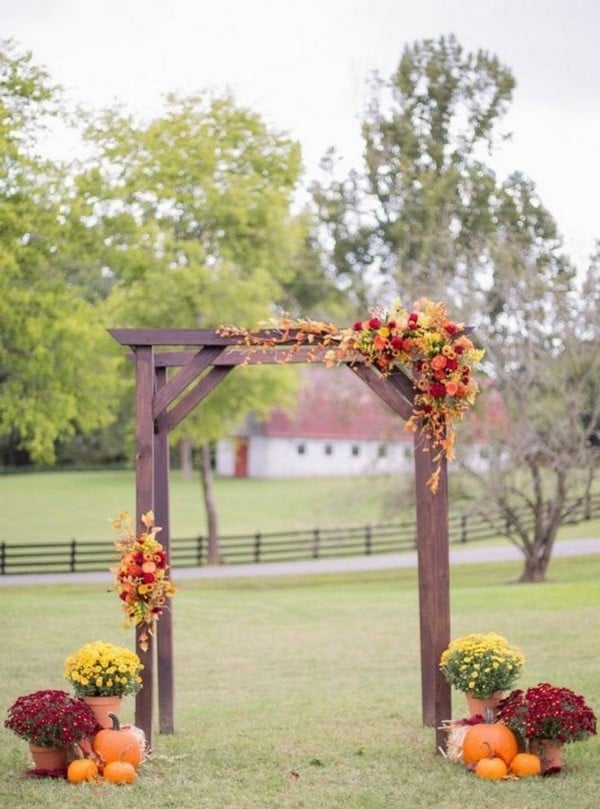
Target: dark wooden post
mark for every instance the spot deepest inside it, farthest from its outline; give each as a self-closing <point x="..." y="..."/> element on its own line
<point x="164" y="627"/>
<point x="434" y="586"/>
<point x="144" y="497"/>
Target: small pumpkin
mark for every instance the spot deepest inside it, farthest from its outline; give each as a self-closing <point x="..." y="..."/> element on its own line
<point x="487" y="739"/>
<point x="118" y="744"/>
<point x="82" y="769"/>
<point x="120" y="772"/>
<point x="491" y="767"/>
<point x="524" y="764"/>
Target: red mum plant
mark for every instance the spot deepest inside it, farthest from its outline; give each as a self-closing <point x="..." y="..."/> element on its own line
<point x="51" y="718"/>
<point x="141" y="578"/>
<point x="547" y="712"/>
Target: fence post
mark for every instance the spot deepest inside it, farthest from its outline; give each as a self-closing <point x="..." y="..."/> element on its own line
<point x="73" y="556"/>
<point x="199" y="543"/>
<point x="2" y="558"/>
<point x="368" y="537"/>
<point x="257" y="538"/>
<point x="463" y="528"/>
<point x="316" y="543"/>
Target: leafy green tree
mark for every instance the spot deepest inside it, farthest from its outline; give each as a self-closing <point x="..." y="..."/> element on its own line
<point x="55" y="358"/>
<point x="193" y="209"/>
<point x="418" y="217"/>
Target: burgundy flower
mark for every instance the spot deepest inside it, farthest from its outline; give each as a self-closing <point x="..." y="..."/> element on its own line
<point x="374" y="323"/>
<point x="437" y="390"/>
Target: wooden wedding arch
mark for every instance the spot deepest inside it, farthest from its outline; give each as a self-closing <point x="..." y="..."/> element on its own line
<point x="199" y="360"/>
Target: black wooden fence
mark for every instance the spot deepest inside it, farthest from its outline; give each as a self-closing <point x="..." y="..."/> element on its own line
<point x="81" y="556"/>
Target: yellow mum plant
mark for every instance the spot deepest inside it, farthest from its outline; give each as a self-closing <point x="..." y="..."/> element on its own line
<point x="101" y="669"/>
<point x="481" y="665"/>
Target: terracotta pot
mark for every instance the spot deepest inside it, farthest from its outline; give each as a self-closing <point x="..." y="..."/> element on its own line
<point x="48" y="758"/>
<point x="477" y="706"/>
<point x="103" y="706"/>
<point x="549" y="753"/>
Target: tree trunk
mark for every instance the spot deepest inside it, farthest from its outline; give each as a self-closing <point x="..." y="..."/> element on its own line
<point x="534" y="569"/>
<point x="206" y="475"/>
<point x="185" y="455"/>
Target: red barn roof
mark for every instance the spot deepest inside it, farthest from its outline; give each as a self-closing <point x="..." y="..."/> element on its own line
<point x="334" y="403"/>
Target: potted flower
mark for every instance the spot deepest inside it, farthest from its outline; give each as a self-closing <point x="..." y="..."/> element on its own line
<point x="546" y="717"/>
<point x="482" y="666"/>
<point x="102" y="674"/>
<point x="51" y="720"/>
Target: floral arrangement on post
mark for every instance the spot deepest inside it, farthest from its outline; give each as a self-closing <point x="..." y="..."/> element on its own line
<point x="51" y="718"/>
<point x="439" y="354"/>
<point x="102" y="669"/>
<point x="547" y="711"/>
<point x="481" y="665"/>
<point x="141" y="578"/>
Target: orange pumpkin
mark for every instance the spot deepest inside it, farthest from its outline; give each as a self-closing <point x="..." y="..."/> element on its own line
<point x="82" y="769"/>
<point x="524" y="764"/>
<point x="118" y="744"/>
<point x="489" y="739"/>
<point x="120" y="772"/>
<point x="491" y="767"/>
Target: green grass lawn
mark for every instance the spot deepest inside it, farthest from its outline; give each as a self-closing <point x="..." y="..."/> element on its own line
<point x="59" y="506"/>
<point x="44" y="507"/>
<point x="304" y="693"/>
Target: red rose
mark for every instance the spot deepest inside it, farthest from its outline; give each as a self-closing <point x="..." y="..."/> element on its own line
<point x="396" y="343"/>
<point x="357" y="326"/>
<point x="437" y="390"/>
<point x="374" y="323"/>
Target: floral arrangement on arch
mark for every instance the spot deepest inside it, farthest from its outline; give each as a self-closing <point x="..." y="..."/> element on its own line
<point x="481" y="664"/>
<point x="141" y="578"/>
<point x="436" y="349"/>
<point x="100" y="669"/>
<point x="441" y="357"/>
<point x="51" y="718"/>
<point x="547" y="711"/>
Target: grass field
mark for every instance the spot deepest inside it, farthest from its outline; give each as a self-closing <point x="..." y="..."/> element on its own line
<point x="60" y="506"/>
<point x="305" y="693"/>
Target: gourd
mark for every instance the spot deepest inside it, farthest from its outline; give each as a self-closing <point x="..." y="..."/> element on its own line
<point x="492" y="767"/>
<point x="120" y="772"/>
<point x="117" y="744"/>
<point x="524" y="764"/>
<point x="487" y="739"/>
<point x="82" y="769"/>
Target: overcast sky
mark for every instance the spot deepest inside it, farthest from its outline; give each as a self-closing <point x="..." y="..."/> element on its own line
<point x="304" y="65"/>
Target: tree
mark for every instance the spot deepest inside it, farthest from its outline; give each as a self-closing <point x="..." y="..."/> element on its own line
<point x="418" y="217"/>
<point x="541" y="338"/>
<point x="193" y="209"/>
<point x="55" y="358"/>
<point x="427" y="216"/>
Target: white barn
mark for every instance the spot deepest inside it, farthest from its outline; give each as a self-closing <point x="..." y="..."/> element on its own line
<point x="339" y="427"/>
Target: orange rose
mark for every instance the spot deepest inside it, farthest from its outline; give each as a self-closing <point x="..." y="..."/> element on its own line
<point x="438" y="362"/>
